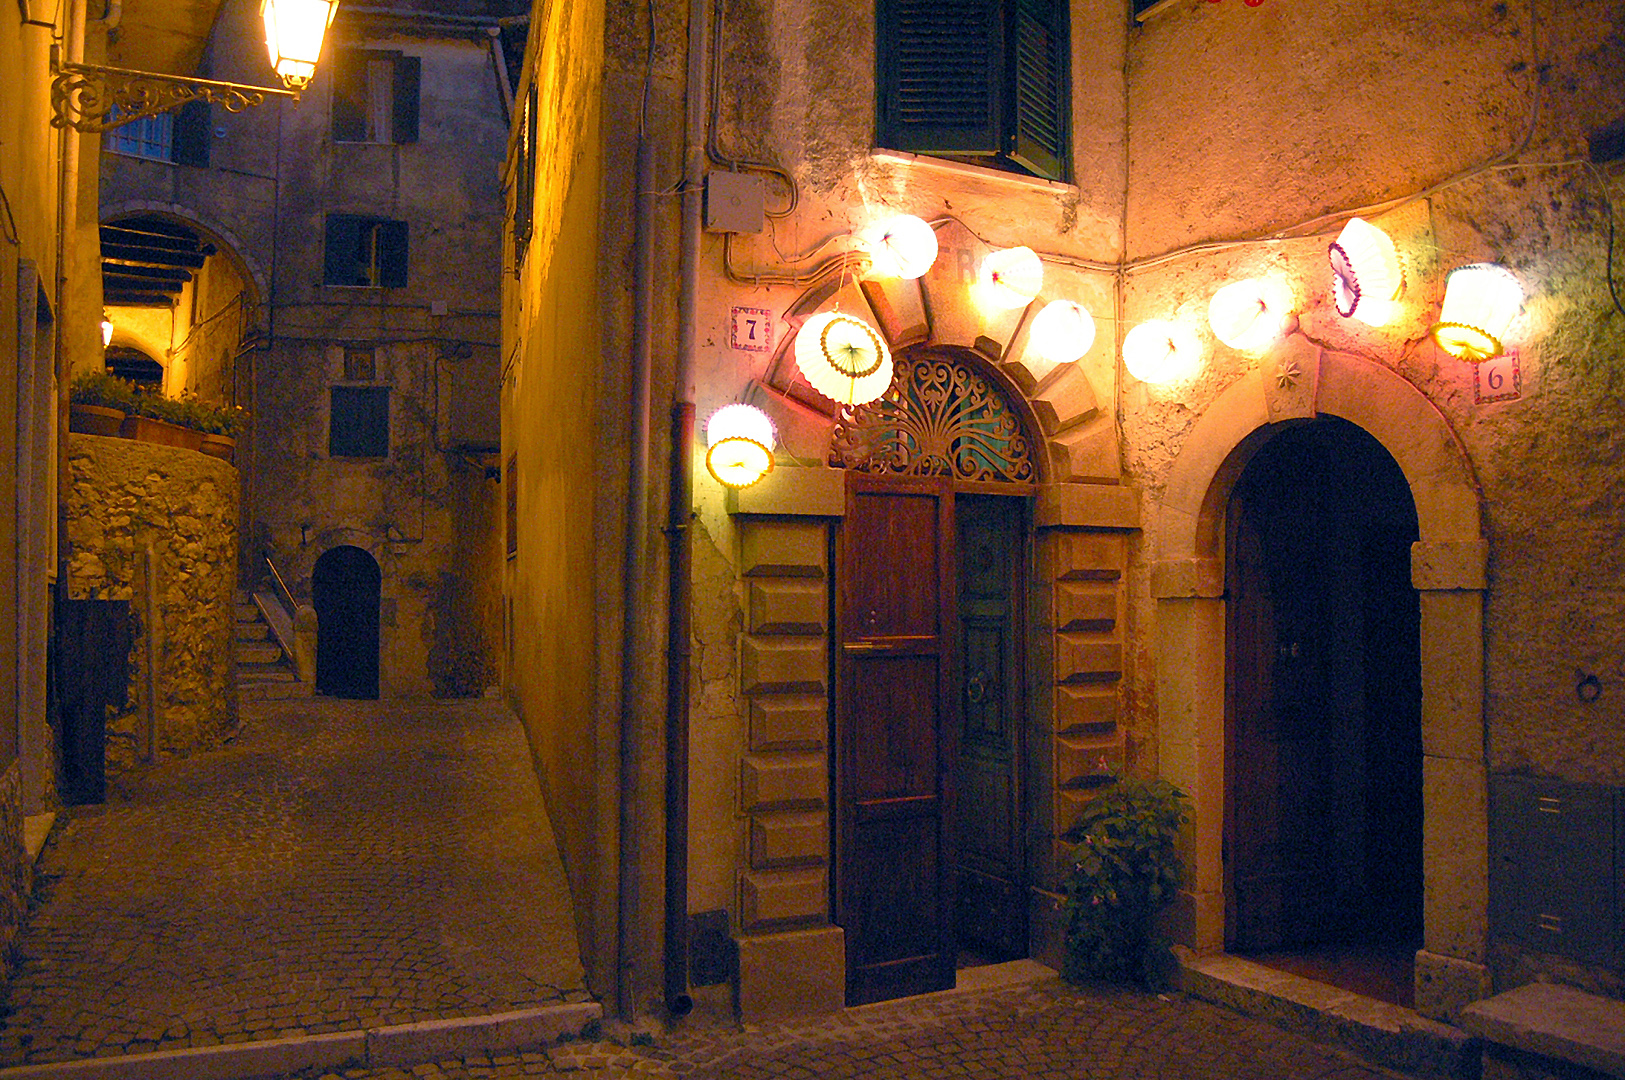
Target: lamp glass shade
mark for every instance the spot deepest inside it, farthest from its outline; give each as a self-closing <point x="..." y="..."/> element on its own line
<point x="1248" y="315"/>
<point x="1480" y="302"/>
<point x="1011" y="277"/>
<point x="1062" y="331"/>
<point x="294" y="30"/>
<point x="1160" y="351"/>
<point x="901" y="246"/>
<point x="107" y="332"/>
<point x="843" y="358"/>
<point x="739" y="445"/>
<point x="1366" y="276"/>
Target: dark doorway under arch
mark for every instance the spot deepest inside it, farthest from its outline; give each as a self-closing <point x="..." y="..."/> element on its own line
<point x="345" y="589"/>
<point x="1323" y="816"/>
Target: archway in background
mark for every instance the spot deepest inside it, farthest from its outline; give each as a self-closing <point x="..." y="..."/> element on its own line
<point x="1447" y="567"/>
<point x="345" y="588"/>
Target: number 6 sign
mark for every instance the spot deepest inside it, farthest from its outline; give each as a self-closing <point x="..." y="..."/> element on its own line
<point x="1497" y="379"/>
<point x="752" y="329"/>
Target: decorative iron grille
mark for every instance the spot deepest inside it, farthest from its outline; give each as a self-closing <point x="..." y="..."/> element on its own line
<point x="938" y="418"/>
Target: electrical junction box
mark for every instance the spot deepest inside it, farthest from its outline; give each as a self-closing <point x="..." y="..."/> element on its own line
<point x="733" y="202"/>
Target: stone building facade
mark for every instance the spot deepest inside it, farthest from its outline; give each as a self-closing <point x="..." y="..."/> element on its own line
<point x="1354" y="596"/>
<point x="348" y="304"/>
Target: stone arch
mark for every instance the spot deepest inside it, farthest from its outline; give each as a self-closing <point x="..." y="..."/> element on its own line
<point x="1448" y="570"/>
<point x="249" y="267"/>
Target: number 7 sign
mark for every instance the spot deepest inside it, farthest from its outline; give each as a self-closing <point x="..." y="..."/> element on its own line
<point x="752" y="329"/>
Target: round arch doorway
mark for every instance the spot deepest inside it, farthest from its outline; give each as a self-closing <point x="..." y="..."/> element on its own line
<point x="1323" y="818"/>
<point x="345" y="588"/>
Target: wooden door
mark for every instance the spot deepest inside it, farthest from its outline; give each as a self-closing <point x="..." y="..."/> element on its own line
<point x="345" y="586"/>
<point x="990" y="895"/>
<point x="894" y="736"/>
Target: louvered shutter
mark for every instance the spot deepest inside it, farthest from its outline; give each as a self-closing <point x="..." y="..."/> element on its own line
<point x="939" y="75"/>
<point x="408" y="79"/>
<point x="191" y="134"/>
<point x="392" y="254"/>
<point x="1038" y="77"/>
<point x="339" y="256"/>
<point x="349" y="96"/>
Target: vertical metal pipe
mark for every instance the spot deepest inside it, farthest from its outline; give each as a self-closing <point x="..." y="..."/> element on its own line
<point x="678" y="535"/>
<point x="149" y="562"/>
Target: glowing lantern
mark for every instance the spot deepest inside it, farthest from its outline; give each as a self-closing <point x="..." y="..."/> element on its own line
<point x="843" y="358"/>
<point x="1159" y="351"/>
<point x="1366" y="277"/>
<point x="1480" y="302"/>
<point x="739" y="443"/>
<point x="1012" y="277"/>
<point x="293" y="36"/>
<point x="1062" y="331"/>
<point x="107" y="332"/>
<point x="1249" y="315"/>
<point x="903" y="246"/>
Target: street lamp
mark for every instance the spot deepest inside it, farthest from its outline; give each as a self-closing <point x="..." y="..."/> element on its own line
<point x="92" y="99"/>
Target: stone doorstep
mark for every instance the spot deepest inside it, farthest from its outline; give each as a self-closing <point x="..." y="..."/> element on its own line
<point x="1378" y="1031"/>
<point x="401" y="1044"/>
<point x="1554" y="1022"/>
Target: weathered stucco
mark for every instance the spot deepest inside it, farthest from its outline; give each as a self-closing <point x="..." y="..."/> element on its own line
<point x="127" y="496"/>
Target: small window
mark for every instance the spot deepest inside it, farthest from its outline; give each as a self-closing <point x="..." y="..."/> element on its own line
<point x="365" y="251"/>
<point x="510" y="477"/>
<point x="524" y="193"/>
<point x="358" y="424"/>
<point x="982" y="81"/>
<point x="181" y="136"/>
<point x="375" y="96"/>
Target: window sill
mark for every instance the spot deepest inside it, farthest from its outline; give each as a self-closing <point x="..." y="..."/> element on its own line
<point x="973" y="172"/>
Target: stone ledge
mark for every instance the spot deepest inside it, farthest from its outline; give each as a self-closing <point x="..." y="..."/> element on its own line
<point x="1376" y="1030"/>
<point x="1555" y="1022"/>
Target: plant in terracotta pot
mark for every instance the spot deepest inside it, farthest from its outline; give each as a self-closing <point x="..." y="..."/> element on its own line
<point x="156" y="419"/>
<point x="98" y="402"/>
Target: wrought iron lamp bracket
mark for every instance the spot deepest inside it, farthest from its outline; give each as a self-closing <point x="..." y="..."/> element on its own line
<point x="92" y="99"/>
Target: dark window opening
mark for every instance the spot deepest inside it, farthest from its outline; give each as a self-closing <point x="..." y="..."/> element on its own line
<point x="180" y="136"/>
<point x="375" y="96"/>
<point x="358" y="424"/>
<point x="981" y="81"/>
<point x="365" y="251"/>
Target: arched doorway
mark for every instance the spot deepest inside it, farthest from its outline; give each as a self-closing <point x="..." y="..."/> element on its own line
<point x="1447" y="567"/>
<point x="931" y="568"/>
<point x="345" y="589"/>
<point x="1323" y="814"/>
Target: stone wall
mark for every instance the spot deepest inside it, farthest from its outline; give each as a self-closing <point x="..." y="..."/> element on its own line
<point x="15" y="871"/>
<point x="125" y="496"/>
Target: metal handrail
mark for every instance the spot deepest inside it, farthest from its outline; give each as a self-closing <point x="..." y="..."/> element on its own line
<point x="287" y="593"/>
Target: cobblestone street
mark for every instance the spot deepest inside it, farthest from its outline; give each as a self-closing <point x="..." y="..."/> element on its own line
<point x="1038" y="1031"/>
<point x="342" y="865"/>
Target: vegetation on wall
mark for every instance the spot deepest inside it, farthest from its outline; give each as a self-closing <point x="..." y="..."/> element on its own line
<point x="1125" y="868"/>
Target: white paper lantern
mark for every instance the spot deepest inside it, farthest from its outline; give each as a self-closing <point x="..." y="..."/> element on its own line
<point x="902" y="246"/>
<point x="739" y="445"/>
<point x="843" y="358"/>
<point x="1160" y="351"/>
<point x="1249" y="315"/>
<point x="294" y="30"/>
<point x="1010" y="278"/>
<point x="1480" y="302"/>
<point x="1366" y="276"/>
<point x="1062" y="331"/>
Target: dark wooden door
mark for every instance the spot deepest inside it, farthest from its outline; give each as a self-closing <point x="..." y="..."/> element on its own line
<point x="990" y="896"/>
<point x="345" y="586"/>
<point x="894" y="737"/>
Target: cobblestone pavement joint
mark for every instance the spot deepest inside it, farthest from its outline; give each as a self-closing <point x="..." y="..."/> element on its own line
<point x="341" y="867"/>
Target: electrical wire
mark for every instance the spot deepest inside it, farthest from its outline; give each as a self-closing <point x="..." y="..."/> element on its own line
<point x="12" y="234"/>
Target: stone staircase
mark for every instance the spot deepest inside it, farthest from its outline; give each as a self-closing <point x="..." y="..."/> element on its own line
<point x="264" y="671"/>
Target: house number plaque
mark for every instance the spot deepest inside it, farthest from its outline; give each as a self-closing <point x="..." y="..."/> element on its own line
<point x="752" y="329"/>
<point x="1498" y="379"/>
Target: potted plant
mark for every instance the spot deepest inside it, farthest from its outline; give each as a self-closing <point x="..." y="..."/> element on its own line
<point x="221" y="424"/>
<point x="157" y="419"/>
<point x="1125" y="868"/>
<point x="97" y="403"/>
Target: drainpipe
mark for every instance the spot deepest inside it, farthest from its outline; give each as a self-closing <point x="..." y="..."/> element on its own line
<point x="634" y="567"/>
<point x="678" y="534"/>
<point x="67" y="210"/>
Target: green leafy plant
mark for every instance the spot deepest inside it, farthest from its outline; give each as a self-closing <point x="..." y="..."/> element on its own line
<point x="100" y="388"/>
<point x="1125" y="869"/>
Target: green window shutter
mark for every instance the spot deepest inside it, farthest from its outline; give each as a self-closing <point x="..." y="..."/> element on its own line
<point x="392" y="254"/>
<point x="340" y="261"/>
<point x="349" y="96"/>
<point x="191" y="134"/>
<point x="1039" y="78"/>
<point x="408" y="78"/>
<point x="939" y="75"/>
